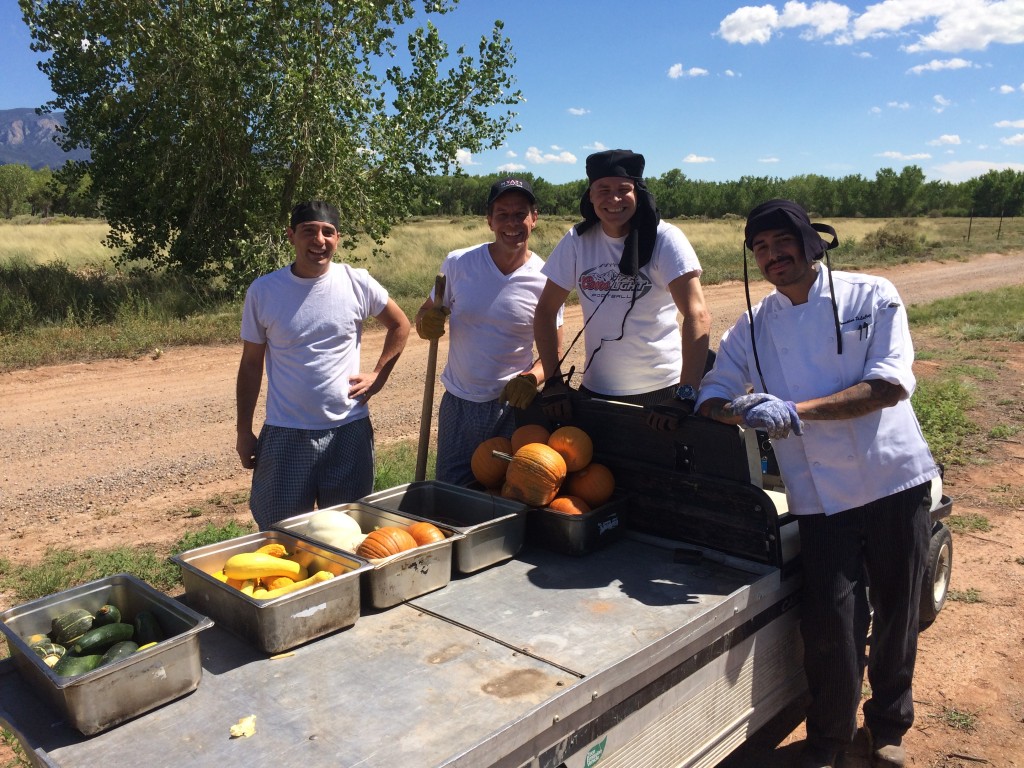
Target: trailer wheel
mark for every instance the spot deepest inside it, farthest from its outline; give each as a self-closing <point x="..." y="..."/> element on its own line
<point x="936" y="574"/>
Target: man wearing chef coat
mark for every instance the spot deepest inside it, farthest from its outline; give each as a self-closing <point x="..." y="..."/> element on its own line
<point x="823" y="365"/>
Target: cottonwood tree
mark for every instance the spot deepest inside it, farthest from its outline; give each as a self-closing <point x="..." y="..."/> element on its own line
<point x="207" y="120"/>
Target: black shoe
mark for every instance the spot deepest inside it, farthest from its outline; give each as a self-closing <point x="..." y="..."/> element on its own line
<point x="814" y="756"/>
<point x="886" y="752"/>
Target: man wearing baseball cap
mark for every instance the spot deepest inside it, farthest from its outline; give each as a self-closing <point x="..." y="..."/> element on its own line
<point x="491" y="292"/>
<point x="304" y="322"/>
<point x="830" y="359"/>
<point x="633" y="273"/>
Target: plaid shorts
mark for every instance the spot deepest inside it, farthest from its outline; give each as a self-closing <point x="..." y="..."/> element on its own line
<point x="461" y="426"/>
<point x="299" y="468"/>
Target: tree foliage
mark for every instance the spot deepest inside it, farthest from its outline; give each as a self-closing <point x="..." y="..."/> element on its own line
<point x="207" y="120"/>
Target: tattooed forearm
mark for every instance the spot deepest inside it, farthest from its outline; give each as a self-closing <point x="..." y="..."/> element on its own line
<point x="860" y="399"/>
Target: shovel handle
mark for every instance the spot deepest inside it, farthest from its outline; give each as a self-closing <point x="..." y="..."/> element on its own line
<point x="428" y="391"/>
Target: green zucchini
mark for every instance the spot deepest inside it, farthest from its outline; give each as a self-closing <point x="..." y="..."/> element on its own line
<point x="99" y="639"/>
<point x="108" y="614"/>
<point x="69" y="626"/>
<point x="147" y="628"/>
<point x="69" y="665"/>
<point x="119" y="651"/>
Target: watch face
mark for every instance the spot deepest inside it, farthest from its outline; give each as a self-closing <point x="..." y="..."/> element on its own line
<point x="685" y="392"/>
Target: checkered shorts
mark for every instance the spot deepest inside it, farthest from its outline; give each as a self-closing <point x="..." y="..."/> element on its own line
<point x="461" y="426"/>
<point x="299" y="468"/>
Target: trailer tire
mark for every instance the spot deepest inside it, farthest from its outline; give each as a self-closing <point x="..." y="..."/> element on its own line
<point x="937" y="572"/>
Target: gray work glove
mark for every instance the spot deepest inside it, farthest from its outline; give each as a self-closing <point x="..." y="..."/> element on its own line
<point x="430" y="326"/>
<point x="741" y="405"/>
<point x="519" y="391"/>
<point x="554" y="401"/>
<point x="776" y="417"/>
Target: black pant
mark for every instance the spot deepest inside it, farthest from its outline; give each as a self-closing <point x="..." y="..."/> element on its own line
<point x="884" y="543"/>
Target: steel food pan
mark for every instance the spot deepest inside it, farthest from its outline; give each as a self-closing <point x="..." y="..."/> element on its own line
<point x="109" y="695"/>
<point x="283" y="622"/>
<point x="398" y="578"/>
<point x="494" y="527"/>
<point x="577" y="534"/>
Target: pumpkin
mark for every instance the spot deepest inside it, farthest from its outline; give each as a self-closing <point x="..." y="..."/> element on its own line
<point x="335" y="528"/>
<point x="487" y="468"/>
<point x="594" y="484"/>
<point x="529" y="433"/>
<point x="534" y="475"/>
<point x="385" y="542"/>
<point x="425" y="533"/>
<point x="570" y="505"/>
<point x="574" y="445"/>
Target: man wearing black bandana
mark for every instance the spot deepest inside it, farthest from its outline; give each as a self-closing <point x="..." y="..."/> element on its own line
<point x="305" y="322"/>
<point x="633" y="274"/>
<point x="829" y="357"/>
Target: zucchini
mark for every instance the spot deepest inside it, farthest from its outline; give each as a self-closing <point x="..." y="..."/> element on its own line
<point x="118" y="651"/>
<point x="108" y="614"/>
<point x="99" y="639"/>
<point x="147" y="628"/>
<point x="68" y="627"/>
<point x="69" y="665"/>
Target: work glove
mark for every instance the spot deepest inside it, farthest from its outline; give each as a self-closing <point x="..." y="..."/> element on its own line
<point x="776" y="417"/>
<point x="554" y="401"/>
<point x="742" y="405"/>
<point x="430" y="325"/>
<point x="669" y="414"/>
<point x="519" y="391"/>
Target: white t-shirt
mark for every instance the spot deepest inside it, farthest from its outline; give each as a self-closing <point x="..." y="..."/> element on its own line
<point x="312" y="328"/>
<point x="629" y="351"/>
<point x="491" y="324"/>
<point x="844" y="463"/>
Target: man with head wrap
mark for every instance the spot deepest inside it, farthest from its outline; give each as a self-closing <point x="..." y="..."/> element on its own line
<point x="633" y="274"/>
<point x="305" y="322"/>
<point x="829" y="359"/>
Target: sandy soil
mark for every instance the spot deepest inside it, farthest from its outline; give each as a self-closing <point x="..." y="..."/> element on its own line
<point x="134" y="452"/>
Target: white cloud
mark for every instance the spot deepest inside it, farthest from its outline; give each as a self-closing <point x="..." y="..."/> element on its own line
<point x="1007" y="89"/>
<point x="578" y="111"/>
<point x="938" y="25"/>
<point x="875" y="110"/>
<point x="941" y="102"/>
<point x="898" y="105"/>
<point x="963" y="170"/>
<point x="465" y="157"/>
<point x="890" y="155"/>
<point x="676" y="71"/>
<point x="511" y="168"/>
<point x="510" y="153"/>
<point x="597" y="146"/>
<point x="1013" y="141"/>
<point x="692" y="158"/>
<point x="767" y="159"/>
<point x="936" y="65"/>
<point x="730" y="73"/>
<point x="1010" y="124"/>
<point x="538" y="157"/>
<point x="946" y="138"/>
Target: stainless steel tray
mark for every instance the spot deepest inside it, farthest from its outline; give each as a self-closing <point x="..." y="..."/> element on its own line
<point x="283" y="622"/>
<point x="577" y="534"/>
<point x="494" y="527"/>
<point x="111" y="694"/>
<point x="398" y="578"/>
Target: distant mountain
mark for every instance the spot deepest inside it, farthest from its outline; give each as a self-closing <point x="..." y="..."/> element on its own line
<point x="27" y="138"/>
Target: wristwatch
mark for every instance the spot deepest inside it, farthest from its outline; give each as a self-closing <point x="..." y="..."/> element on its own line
<point x="686" y="392"/>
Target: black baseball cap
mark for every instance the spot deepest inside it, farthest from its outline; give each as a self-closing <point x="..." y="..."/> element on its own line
<point x="502" y="186"/>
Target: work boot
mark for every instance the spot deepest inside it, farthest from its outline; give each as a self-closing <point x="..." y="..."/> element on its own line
<point x="886" y="751"/>
<point x="817" y="756"/>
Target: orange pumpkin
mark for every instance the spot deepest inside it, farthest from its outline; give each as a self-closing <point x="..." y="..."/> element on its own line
<point x="570" y="505"/>
<point x="529" y="433"/>
<point x="534" y="475"/>
<point x="574" y="445"/>
<point x="386" y="541"/>
<point x="425" y="533"/>
<point x="594" y="484"/>
<point x="488" y="469"/>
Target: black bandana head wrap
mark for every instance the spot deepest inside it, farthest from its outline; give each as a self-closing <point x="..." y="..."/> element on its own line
<point x="315" y="210"/>
<point x="785" y="214"/>
<point x="624" y="163"/>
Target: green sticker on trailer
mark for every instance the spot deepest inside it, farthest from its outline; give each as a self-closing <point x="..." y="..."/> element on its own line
<point x="595" y="753"/>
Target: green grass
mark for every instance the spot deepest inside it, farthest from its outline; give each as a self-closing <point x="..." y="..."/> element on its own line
<point x="958" y="719"/>
<point x="970" y="595"/>
<point x="941" y="406"/>
<point x="995" y="314"/>
<point x="969" y="523"/>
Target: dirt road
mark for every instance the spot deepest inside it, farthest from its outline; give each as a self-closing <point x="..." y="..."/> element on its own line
<point x="116" y="452"/>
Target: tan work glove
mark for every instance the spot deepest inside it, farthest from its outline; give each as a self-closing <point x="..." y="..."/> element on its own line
<point x="519" y="391"/>
<point x="430" y="325"/>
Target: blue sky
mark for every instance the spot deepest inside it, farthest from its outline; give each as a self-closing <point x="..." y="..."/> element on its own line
<point x="722" y="90"/>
